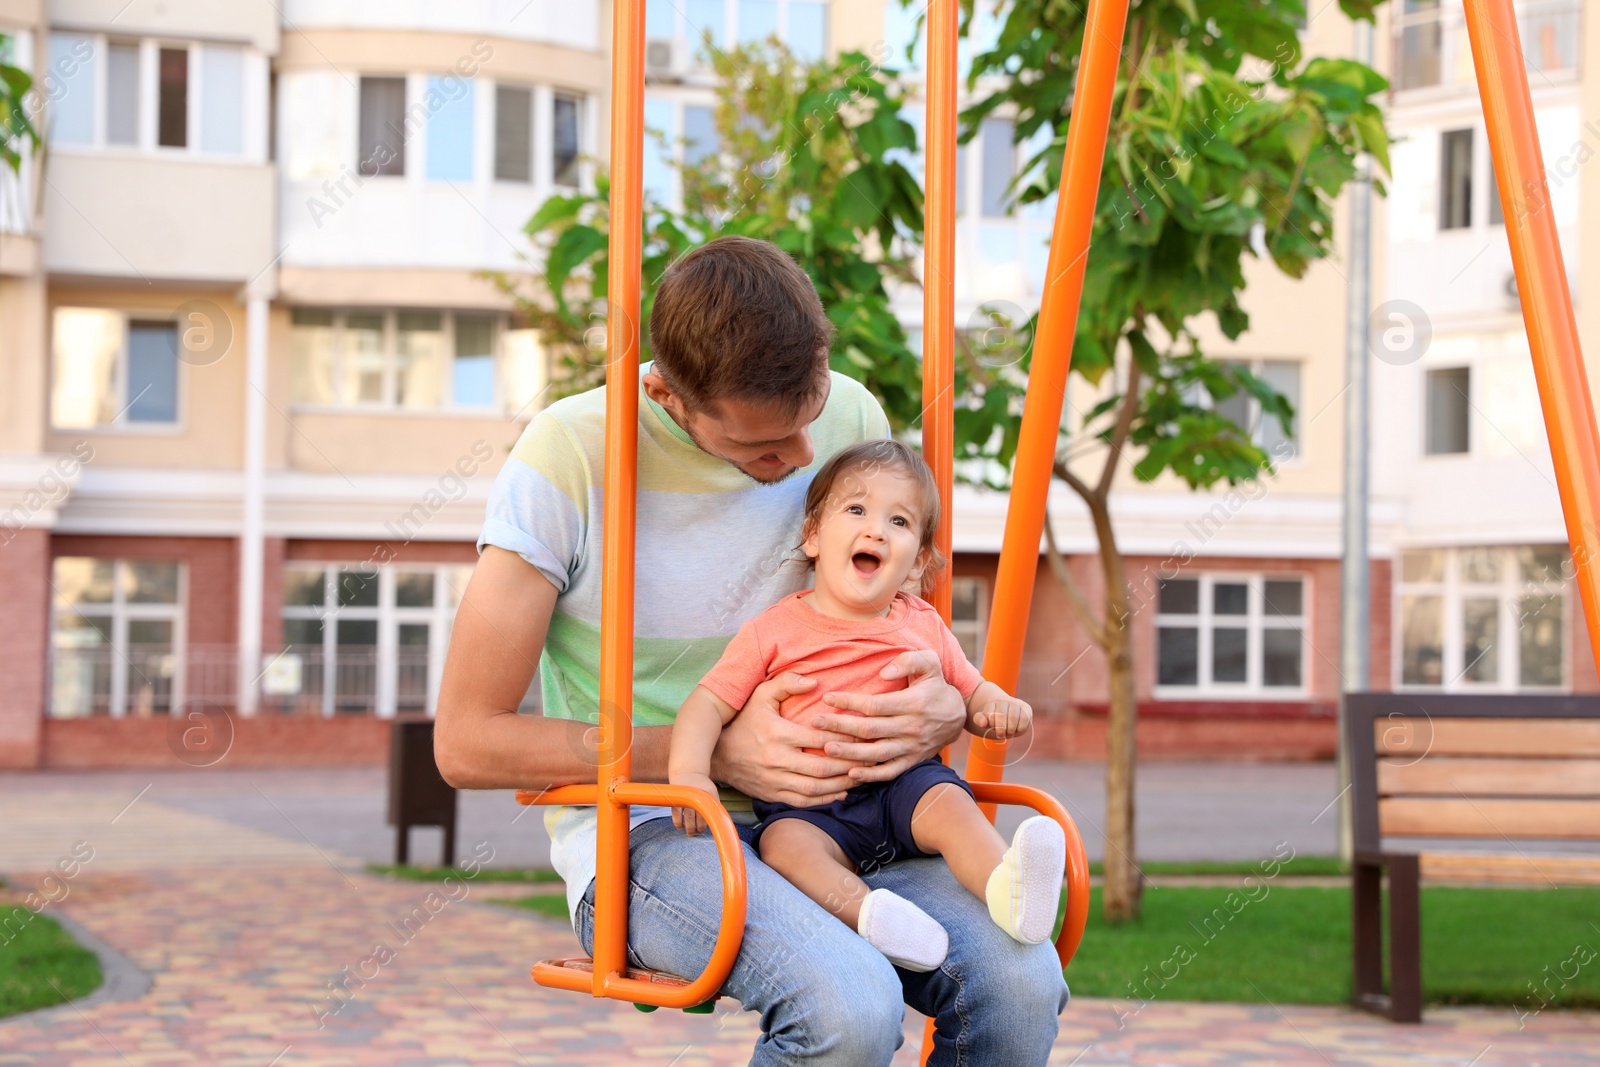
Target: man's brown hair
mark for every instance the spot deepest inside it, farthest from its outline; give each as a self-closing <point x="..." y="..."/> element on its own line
<point x="840" y="477"/>
<point x="738" y="319"/>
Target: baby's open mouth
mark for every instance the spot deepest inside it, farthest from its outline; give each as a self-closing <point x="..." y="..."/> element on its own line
<point x="866" y="562"/>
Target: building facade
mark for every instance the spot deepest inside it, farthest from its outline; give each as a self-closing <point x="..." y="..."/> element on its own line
<point x="259" y="375"/>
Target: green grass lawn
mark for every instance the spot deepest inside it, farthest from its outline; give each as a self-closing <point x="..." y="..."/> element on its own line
<point x="36" y="952"/>
<point x="1299" y="866"/>
<point x="549" y="905"/>
<point x="1479" y="946"/>
<point x="1292" y="946"/>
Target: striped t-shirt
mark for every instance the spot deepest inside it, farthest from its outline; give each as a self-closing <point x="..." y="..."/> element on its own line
<point x="714" y="548"/>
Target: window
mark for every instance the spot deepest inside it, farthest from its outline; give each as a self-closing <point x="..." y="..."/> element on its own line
<point x="70" y="119"/>
<point x="969" y="610"/>
<point x="222" y="74"/>
<point x="758" y="20"/>
<point x="419" y="359"/>
<point x="122" y="94"/>
<point x="700" y="138"/>
<point x="1242" y="634"/>
<point x="156" y="96"/>
<point x="383" y="129"/>
<point x="802" y="25"/>
<point x="1431" y="46"/>
<point x="116" y="637"/>
<point x="450" y="128"/>
<point x="1482" y="618"/>
<point x="513" y="133"/>
<point x="999" y="159"/>
<point x="1420" y="44"/>
<point x="565" y="145"/>
<point x="172" y="112"/>
<point x="365" y="639"/>
<point x="1266" y="432"/>
<point x="1448" y="400"/>
<point x="1010" y="240"/>
<point x="112" y="370"/>
<point x="413" y="359"/>
<point x="472" y="370"/>
<point x="1455" y="179"/>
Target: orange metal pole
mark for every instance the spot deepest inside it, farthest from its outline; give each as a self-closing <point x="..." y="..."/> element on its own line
<point x="1052" y="358"/>
<point x="1542" y="284"/>
<point x="939" y="294"/>
<point x="622" y="446"/>
<point x="939" y="273"/>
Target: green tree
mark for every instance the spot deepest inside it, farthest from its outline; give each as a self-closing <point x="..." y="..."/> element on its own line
<point x="1225" y="143"/>
<point x="16" y="130"/>
<point x="810" y="157"/>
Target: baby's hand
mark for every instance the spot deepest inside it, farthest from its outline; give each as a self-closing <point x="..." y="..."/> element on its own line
<point x="688" y="820"/>
<point x="1003" y="719"/>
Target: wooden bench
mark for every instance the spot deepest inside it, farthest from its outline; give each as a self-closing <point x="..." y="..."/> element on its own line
<point x="1497" y="769"/>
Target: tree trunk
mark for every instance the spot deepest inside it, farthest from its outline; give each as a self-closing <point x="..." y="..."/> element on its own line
<point x="1123" y="884"/>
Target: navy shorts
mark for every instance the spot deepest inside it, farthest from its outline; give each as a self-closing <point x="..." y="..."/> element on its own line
<point x="872" y="824"/>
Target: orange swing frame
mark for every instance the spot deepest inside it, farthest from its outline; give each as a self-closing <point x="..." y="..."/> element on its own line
<point x="1547" y="312"/>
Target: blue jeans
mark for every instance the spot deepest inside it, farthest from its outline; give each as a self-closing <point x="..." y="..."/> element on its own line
<point x="825" y="996"/>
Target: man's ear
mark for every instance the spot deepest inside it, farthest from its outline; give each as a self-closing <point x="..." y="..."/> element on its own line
<point x="657" y="389"/>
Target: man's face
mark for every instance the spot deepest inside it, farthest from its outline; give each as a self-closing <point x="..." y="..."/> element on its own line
<point x="762" y="440"/>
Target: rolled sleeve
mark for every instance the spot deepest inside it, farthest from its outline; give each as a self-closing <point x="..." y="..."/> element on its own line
<point x="537" y="507"/>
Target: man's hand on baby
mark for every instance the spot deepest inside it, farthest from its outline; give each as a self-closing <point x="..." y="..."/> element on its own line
<point x="893" y="732"/>
<point x="761" y="754"/>
<point x="1002" y="719"/>
<point x="688" y="820"/>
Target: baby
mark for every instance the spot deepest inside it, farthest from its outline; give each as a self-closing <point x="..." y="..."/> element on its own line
<point x="870" y="517"/>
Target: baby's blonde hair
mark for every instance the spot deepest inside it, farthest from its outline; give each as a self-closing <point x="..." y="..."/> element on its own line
<point x="869" y="457"/>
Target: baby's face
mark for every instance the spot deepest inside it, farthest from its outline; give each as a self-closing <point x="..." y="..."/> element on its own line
<point x="868" y="540"/>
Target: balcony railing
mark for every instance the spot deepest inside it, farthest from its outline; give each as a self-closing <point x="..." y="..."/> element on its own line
<point x="1431" y="47"/>
<point x="143" y="680"/>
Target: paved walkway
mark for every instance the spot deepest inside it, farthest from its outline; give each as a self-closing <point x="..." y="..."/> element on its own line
<point x="269" y="949"/>
<point x="1185" y="811"/>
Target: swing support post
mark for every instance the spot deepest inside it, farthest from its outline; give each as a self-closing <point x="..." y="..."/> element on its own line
<point x="613" y="792"/>
<point x="1542" y="288"/>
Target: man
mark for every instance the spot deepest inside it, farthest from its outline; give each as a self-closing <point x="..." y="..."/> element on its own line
<point x="739" y="410"/>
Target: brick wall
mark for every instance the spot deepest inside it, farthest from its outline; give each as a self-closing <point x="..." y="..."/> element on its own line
<point x="259" y="741"/>
<point x="24" y="643"/>
<point x="377" y="552"/>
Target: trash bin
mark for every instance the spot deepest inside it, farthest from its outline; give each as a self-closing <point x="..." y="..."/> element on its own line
<point x="418" y="793"/>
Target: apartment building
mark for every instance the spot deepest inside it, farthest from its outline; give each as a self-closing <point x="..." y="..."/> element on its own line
<point x="1481" y="598"/>
<point x="259" y="377"/>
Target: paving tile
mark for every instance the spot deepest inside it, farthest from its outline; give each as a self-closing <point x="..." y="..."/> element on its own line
<point x="275" y="961"/>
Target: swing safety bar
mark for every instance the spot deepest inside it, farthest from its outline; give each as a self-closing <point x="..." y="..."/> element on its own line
<point x="655" y="988"/>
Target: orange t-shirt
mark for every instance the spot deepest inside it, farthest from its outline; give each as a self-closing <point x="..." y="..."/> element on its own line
<point x="843" y="655"/>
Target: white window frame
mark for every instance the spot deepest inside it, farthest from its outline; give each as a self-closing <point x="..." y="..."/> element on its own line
<point x="120" y="423"/>
<point x="1255" y="621"/>
<point x="439" y="619"/>
<point x="977" y="629"/>
<point x="1453" y="590"/>
<point x="121" y="613"/>
<point x="252" y="100"/>
<point x="390" y="402"/>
